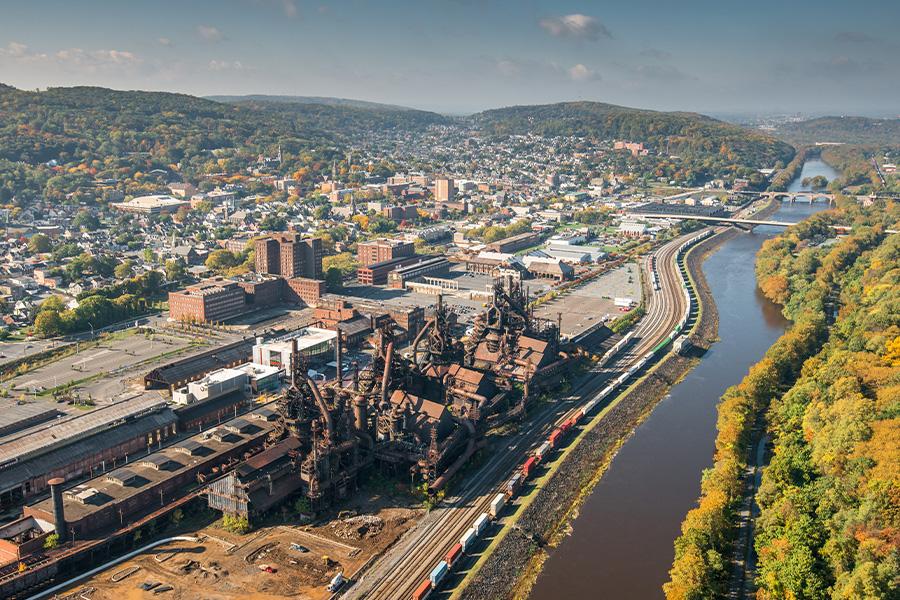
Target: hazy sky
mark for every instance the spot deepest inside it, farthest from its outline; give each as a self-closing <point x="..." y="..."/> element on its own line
<point x="834" y="56"/>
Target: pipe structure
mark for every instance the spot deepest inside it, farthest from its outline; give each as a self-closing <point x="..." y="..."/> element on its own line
<point x="323" y="408"/>
<point x="388" y="360"/>
<point x="428" y="325"/>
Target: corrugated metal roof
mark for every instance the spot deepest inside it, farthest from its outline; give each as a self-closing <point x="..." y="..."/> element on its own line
<point x="41" y="439"/>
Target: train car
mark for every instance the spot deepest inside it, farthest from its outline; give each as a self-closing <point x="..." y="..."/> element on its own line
<point x="423" y="591"/>
<point x="454" y="554"/>
<point x="542" y="451"/>
<point x="513" y="485"/>
<point x="481" y="523"/>
<point x="528" y="466"/>
<point x="468" y="538"/>
<point x="497" y="505"/>
<point x="554" y="438"/>
<point x="438" y="573"/>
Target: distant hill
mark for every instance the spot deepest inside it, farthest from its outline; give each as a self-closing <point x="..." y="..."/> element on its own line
<point x="847" y="130"/>
<point x="64" y="122"/>
<point x="329" y="101"/>
<point x="689" y="135"/>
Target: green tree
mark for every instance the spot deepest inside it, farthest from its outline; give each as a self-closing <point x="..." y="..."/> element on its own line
<point x="39" y="243"/>
<point x="124" y="270"/>
<point x="48" y="324"/>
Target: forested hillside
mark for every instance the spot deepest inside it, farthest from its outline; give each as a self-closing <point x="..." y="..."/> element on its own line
<point x="93" y="133"/>
<point x="828" y="393"/>
<point x="714" y="145"/>
<point x="845" y="130"/>
<point x="830" y="497"/>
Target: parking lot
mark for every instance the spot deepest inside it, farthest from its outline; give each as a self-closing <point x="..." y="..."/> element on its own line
<point x="587" y="304"/>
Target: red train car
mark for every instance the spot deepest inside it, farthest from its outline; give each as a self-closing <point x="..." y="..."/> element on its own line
<point x="528" y="466"/>
<point x="422" y="591"/>
<point x="454" y="554"/>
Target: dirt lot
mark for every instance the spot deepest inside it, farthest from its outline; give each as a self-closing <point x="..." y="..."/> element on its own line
<point x="226" y="566"/>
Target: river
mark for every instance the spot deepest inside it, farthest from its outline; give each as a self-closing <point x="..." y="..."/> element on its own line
<point x="621" y="545"/>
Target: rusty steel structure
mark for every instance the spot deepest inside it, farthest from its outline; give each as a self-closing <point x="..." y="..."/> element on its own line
<point x="421" y="412"/>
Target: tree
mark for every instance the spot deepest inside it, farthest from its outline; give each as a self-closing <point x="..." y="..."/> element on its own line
<point x="124" y="270"/>
<point x="39" y="243"/>
<point x="222" y="260"/>
<point x="51" y="541"/>
<point x="86" y="221"/>
<point x="175" y="270"/>
<point x="48" y="324"/>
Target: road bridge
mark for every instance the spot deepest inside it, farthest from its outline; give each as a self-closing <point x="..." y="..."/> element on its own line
<point x="748" y="223"/>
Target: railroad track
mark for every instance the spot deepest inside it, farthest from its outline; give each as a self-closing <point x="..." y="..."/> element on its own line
<point x="399" y="572"/>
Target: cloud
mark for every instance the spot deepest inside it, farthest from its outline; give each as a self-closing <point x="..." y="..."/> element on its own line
<point x="164" y="41"/>
<point x="20" y="52"/>
<point x="224" y="65"/>
<point x="656" y="53"/>
<point x="95" y="60"/>
<point x="852" y="37"/>
<point x="580" y="72"/>
<point x="290" y="8"/>
<point x="209" y="33"/>
<point x="663" y="73"/>
<point x="575" y="26"/>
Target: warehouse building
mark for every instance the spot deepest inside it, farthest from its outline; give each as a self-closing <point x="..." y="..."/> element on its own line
<point x="78" y="445"/>
<point x="122" y="496"/>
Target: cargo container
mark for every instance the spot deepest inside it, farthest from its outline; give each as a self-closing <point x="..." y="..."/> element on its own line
<point x="512" y="486"/>
<point x="438" y="573"/>
<point x="454" y="554"/>
<point x="542" y="451"/>
<point x="553" y="440"/>
<point x="468" y="538"/>
<point x="497" y="505"/>
<point x="423" y="591"/>
<point x="481" y="522"/>
<point x="528" y="466"/>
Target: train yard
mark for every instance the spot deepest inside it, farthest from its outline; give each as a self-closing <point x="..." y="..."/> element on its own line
<point x="426" y="559"/>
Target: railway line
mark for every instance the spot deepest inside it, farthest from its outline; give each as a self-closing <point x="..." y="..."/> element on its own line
<point x="402" y="570"/>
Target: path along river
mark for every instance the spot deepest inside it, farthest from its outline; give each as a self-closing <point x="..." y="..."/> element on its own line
<point x="621" y="544"/>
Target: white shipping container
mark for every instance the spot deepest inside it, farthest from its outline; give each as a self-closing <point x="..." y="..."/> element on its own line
<point x="624" y="301"/>
<point x="468" y="537"/>
<point x="497" y="504"/>
<point x="481" y="522"/>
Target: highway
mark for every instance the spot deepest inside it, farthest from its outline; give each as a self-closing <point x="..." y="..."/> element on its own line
<point x="403" y="567"/>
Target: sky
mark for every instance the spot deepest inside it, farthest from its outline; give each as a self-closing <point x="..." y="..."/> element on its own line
<point x="461" y="56"/>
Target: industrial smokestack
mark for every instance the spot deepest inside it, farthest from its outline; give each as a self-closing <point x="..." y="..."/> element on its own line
<point x="337" y="357"/>
<point x="293" y="362"/>
<point x="59" y="513"/>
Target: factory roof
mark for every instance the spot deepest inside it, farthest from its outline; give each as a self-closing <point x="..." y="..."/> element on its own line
<point x="202" y="451"/>
<point x="13" y="475"/>
<point x="15" y="416"/>
<point x="308" y="337"/>
<point x="191" y="367"/>
<point x="43" y="438"/>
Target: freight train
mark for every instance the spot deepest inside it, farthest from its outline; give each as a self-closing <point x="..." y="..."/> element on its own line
<point x="527" y="469"/>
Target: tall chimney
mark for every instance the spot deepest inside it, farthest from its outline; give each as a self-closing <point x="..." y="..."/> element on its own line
<point x="59" y="513"/>
<point x="294" y="362"/>
<point x="337" y="357"/>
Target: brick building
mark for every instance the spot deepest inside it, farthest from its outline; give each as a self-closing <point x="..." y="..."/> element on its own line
<point x="303" y="289"/>
<point x="289" y="255"/>
<point x="209" y="301"/>
<point x="380" y="250"/>
<point x="377" y="273"/>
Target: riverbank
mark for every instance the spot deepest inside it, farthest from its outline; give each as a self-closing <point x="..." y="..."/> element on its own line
<point x="518" y="556"/>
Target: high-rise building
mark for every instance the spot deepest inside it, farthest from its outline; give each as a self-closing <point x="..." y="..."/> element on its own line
<point x="444" y="191"/>
<point x="288" y="255"/>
